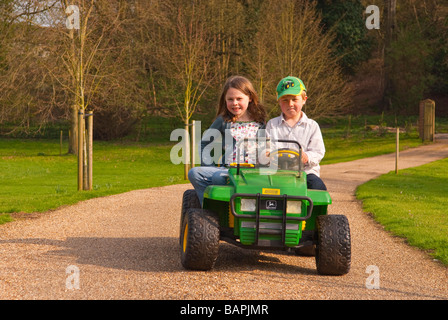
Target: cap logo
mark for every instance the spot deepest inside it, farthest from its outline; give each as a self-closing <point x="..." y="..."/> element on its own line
<point x="290" y="86"/>
<point x="287" y="84"/>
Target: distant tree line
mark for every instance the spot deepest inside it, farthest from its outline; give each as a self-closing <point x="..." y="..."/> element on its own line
<point x="132" y="59"/>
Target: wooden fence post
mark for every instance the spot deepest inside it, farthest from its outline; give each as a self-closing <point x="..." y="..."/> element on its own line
<point x="187" y="156"/>
<point x="80" y="149"/>
<point x="397" y="150"/>
<point x="60" y="143"/>
<point x="90" y="150"/>
<point x="427" y="119"/>
<point x="193" y="144"/>
<point x="85" y="178"/>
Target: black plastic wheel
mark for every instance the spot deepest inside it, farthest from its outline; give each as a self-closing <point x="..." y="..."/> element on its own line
<point x="199" y="239"/>
<point x="333" y="249"/>
<point x="189" y="200"/>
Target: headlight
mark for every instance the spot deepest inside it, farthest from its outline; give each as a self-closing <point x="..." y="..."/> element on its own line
<point x="294" y="206"/>
<point x="248" y="205"/>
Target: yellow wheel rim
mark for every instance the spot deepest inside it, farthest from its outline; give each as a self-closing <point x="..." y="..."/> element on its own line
<point x="184" y="243"/>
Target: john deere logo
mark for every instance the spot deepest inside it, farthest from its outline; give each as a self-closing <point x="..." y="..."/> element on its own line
<point x="271" y="204"/>
<point x="287" y="84"/>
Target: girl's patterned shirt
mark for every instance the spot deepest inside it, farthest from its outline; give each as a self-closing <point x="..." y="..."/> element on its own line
<point x="240" y="131"/>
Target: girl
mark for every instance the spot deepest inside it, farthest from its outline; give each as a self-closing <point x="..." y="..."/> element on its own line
<point x="241" y="114"/>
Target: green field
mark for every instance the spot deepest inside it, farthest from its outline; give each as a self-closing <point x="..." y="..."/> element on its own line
<point x="36" y="178"/>
<point x="412" y="204"/>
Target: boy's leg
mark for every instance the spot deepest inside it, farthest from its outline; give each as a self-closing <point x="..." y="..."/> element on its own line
<point x="201" y="178"/>
<point x="314" y="182"/>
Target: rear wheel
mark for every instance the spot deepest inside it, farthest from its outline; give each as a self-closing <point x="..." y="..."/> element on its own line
<point x="333" y="249"/>
<point x="199" y="239"/>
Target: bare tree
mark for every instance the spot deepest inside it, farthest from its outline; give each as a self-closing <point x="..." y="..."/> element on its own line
<point x="391" y="8"/>
<point x="186" y="57"/>
<point x="23" y="84"/>
<point x="90" y="55"/>
<point x="290" y="41"/>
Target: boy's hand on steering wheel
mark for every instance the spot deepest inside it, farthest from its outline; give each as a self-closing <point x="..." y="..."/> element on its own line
<point x="304" y="158"/>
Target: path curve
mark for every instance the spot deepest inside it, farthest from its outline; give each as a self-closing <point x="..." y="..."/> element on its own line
<point x="126" y="247"/>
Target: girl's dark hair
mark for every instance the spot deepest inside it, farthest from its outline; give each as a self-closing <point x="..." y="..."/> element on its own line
<point x="255" y="109"/>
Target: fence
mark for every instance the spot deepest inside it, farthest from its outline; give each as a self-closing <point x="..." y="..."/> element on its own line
<point x="85" y="150"/>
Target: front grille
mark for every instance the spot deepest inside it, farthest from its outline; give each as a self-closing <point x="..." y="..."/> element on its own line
<point x="279" y="227"/>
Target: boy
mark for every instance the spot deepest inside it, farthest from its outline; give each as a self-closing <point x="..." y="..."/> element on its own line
<point x="293" y="124"/>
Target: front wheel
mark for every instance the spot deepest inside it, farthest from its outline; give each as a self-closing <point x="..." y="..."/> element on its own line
<point x="333" y="249"/>
<point x="189" y="200"/>
<point x="199" y="239"/>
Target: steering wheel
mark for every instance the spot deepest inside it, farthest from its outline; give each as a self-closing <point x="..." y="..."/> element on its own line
<point x="286" y="159"/>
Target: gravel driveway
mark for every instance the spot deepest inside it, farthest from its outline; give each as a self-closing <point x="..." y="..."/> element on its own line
<point x="126" y="247"/>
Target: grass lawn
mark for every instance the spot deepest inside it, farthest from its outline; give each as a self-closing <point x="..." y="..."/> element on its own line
<point x="35" y="178"/>
<point x="413" y="205"/>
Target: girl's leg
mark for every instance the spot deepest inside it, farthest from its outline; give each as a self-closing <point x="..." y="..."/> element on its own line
<point x="201" y="178"/>
<point x="221" y="177"/>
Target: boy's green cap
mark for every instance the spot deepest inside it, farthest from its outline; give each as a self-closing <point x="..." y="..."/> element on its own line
<point x="290" y="86"/>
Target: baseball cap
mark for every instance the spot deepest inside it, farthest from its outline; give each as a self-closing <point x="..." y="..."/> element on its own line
<point x="290" y="86"/>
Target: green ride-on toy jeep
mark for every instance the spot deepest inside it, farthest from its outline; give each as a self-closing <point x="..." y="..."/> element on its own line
<point x="265" y="211"/>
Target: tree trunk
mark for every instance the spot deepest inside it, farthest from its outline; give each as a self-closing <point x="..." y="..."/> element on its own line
<point x="391" y="6"/>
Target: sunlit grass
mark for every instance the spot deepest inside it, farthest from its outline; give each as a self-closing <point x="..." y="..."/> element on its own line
<point x="413" y="205"/>
<point x="34" y="177"/>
